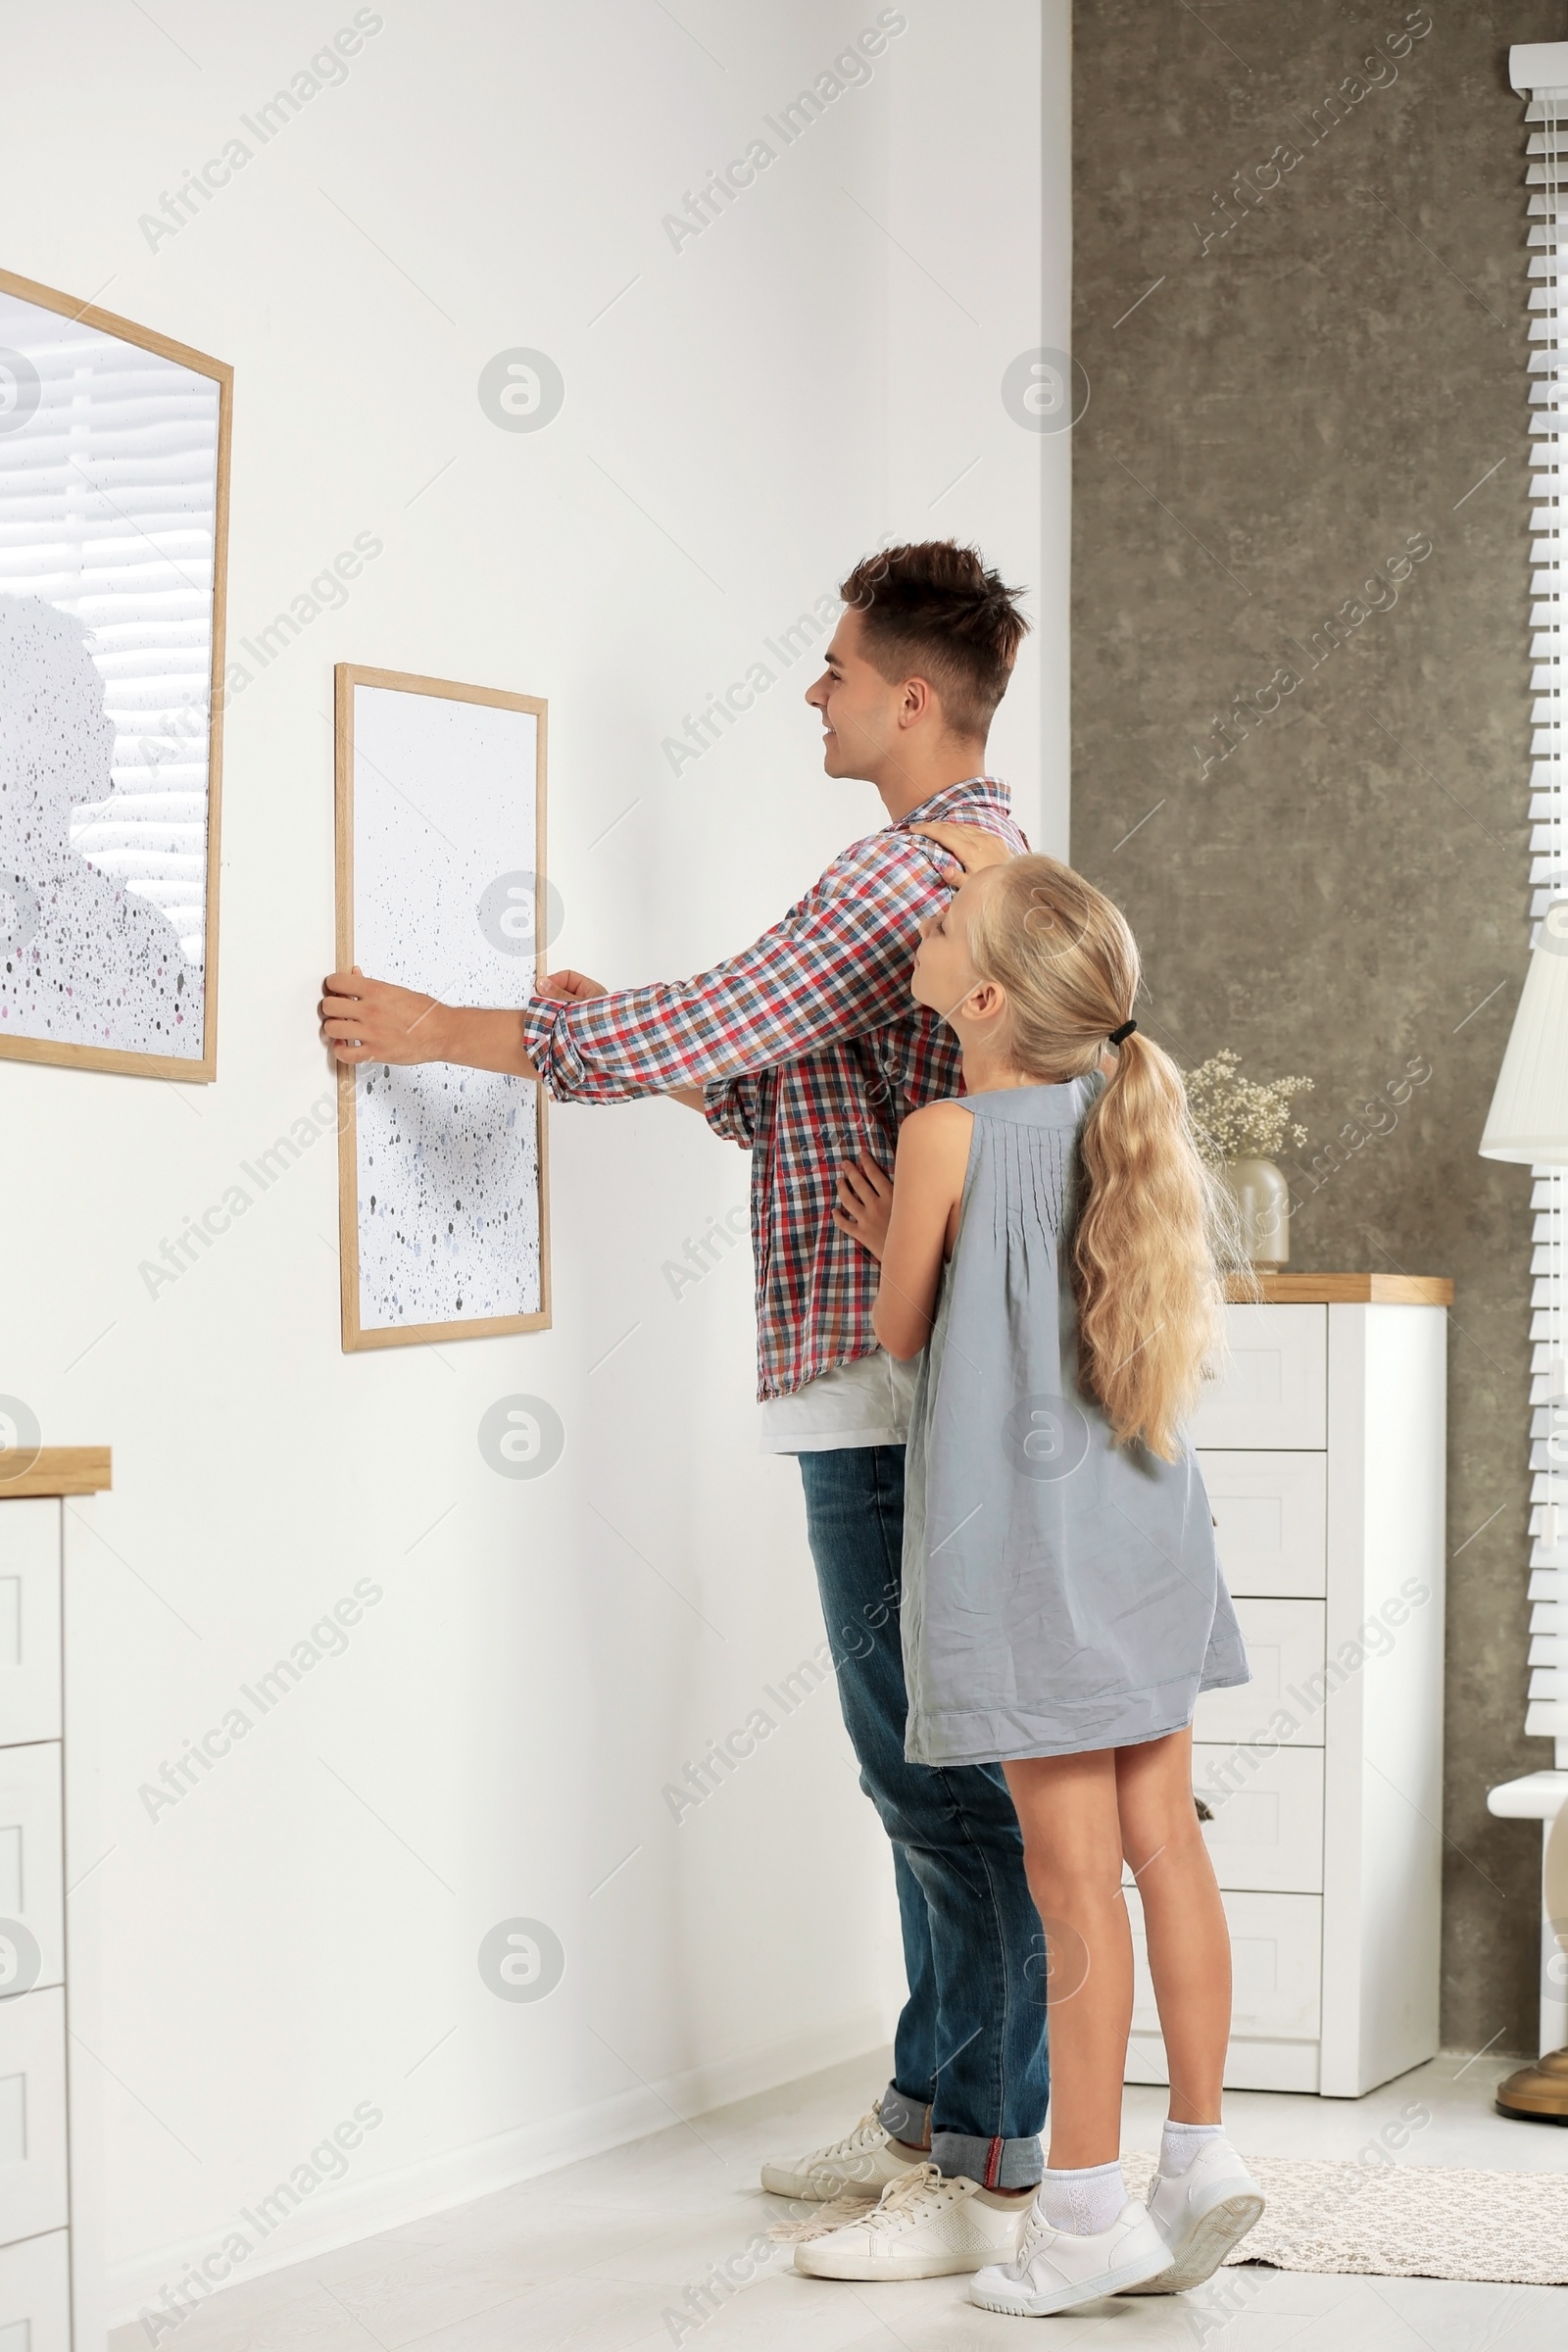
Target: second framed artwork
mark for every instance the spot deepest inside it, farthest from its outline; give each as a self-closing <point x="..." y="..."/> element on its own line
<point x="442" y="1171"/>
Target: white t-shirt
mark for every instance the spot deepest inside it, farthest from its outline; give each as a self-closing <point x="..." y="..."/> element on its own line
<point x="863" y="1404"/>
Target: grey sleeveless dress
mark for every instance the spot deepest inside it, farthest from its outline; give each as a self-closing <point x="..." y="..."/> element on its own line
<point x="1060" y="1592"/>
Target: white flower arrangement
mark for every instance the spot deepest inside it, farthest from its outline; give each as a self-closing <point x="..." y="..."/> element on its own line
<point x="1235" y="1117"/>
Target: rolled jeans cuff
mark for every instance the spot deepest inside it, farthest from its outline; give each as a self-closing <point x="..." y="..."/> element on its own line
<point x="994" y="2163"/>
<point x="902" y="2119"/>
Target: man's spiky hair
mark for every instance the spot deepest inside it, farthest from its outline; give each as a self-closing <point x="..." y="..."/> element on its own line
<point x="936" y="609"/>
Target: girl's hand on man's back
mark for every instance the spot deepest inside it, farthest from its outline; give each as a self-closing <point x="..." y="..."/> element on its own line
<point x="866" y="1203"/>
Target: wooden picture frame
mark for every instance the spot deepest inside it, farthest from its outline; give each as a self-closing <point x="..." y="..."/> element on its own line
<point x="17" y="1046"/>
<point x="349" y="678"/>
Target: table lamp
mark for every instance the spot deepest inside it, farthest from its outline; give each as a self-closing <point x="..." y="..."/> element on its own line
<point x="1529" y="1116"/>
<point x="1529" y="1122"/>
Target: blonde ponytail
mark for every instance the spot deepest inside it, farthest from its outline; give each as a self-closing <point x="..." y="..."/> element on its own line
<point x="1150" y="1229"/>
<point x="1143" y="1251"/>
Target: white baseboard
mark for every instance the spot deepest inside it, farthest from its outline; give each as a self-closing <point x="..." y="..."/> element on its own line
<point x="340" y="2215"/>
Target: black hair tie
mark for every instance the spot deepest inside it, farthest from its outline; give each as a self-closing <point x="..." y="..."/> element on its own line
<point x="1125" y="1030"/>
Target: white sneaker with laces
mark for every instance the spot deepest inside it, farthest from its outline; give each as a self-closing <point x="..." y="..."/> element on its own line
<point x="925" y="2227"/>
<point x="1201" y="2214"/>
<point x="865" y="2160"/>
<point x="1056" y="2270"/>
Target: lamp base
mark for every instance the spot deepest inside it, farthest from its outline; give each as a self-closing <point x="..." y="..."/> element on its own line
<point x="1539" y="2093"/>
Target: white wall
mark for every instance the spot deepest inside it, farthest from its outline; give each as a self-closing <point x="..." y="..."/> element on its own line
<point x="754" y="411"/>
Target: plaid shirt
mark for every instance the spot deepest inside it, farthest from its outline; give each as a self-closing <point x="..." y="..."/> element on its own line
<point x="809" y="1051"/>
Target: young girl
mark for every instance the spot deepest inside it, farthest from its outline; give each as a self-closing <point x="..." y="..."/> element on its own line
<point x="1048" y="1242"/>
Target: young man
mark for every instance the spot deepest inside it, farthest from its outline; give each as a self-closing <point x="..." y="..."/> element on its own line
<point x="807" y="1051"/>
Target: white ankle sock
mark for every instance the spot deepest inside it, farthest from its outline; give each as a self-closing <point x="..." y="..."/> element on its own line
<point x="1085" y="2202"/>
<point x="1179" y="2143"/>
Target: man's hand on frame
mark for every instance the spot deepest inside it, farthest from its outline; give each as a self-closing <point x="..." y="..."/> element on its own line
<point x="371" y="1020"/>
<point x="575" y="987"/>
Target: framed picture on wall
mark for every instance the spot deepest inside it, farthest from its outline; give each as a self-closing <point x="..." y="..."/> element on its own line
<point x="443" y="1201"/>
<point x="114" y="505"/>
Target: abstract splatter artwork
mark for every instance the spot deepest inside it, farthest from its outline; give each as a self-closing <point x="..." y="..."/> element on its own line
<point x="113" y="490"/>
<point x="441" y="888"/>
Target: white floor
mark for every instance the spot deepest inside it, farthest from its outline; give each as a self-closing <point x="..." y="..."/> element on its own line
<point x="600" y="2257"/>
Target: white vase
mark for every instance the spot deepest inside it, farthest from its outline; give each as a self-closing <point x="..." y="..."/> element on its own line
<point x="1263" y="1198"/>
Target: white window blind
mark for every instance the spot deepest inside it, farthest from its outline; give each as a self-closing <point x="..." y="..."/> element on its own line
<point x="1541" y="70"/>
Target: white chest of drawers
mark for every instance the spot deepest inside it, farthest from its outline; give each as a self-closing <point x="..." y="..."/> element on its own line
<point x="1323" y="1448"/>
<point x="36" y="2246"/>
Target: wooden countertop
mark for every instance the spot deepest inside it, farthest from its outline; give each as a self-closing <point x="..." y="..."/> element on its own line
<point x="1350" y="1290"/>
<point x="60" y="1470"/>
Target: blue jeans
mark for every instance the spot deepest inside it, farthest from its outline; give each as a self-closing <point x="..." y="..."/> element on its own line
<point x="969" y="2057"/>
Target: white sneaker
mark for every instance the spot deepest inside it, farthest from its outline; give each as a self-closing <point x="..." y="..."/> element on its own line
<point x="1201" y="2215"/>
<point x="865" y="2160"/>
<point x="1056" y="2270"/>
<point x="926" y="2226"/>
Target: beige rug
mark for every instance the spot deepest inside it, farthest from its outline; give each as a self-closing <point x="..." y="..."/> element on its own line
<point x="1390" y="2220"/>
<point x="1403" y="2220"/>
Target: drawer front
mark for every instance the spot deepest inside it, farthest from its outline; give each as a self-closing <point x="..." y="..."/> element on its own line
<point x="30" y="1620"/>
<point x="1285" y="1644"/>
<point x="1273" y="1389"/>
<point x="1270" y="1521"/>
<point x="35" y="2294"/>
<point x="33" y="2114"/>
<point x="1266" y="1836"/>
<point x="31" y="1904"/>
<point x="1276" y="1960"/>
<point x="1250" y="2063"/>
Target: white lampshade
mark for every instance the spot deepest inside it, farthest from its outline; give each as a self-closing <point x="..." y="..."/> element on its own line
<point x="1529" y="1116"/>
